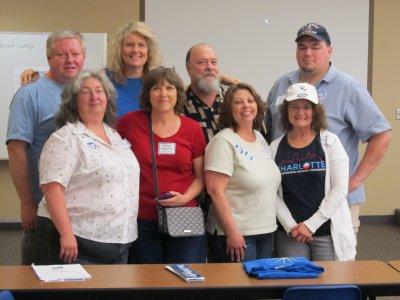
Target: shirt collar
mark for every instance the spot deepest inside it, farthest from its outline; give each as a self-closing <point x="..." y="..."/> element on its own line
<point x="331" y="74"/>
<point x="79" y="128"/>
<point x="190" y="92"/>
<point x="328" y="77"/>
<point x="58" y="84"/>
<point x="294" y="77"/>
<point x="218" y="99"/>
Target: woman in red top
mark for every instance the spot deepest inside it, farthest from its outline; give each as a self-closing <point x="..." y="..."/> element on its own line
<point x="179" y="149"/>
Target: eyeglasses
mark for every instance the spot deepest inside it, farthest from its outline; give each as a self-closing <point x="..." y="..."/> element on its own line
<point x="87" y="92"/>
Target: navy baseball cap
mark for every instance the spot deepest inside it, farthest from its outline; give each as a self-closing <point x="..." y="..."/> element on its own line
<point x="315" y="30"/>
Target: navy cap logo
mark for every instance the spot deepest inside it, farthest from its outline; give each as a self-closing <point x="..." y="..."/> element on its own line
<point x="315" y="30"/>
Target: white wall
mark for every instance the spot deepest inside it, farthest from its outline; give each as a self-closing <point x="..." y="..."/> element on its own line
<point x="22" y="50"/>
<point x="251" y="49"/>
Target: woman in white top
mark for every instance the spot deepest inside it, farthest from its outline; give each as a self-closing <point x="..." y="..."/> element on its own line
<point x="312" y="209"/>
<point x="90" y="180"/>
<point x="243" y="181"/>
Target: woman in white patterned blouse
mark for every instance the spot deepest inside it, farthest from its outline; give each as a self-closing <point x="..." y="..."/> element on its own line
<point x="90" y="180"/>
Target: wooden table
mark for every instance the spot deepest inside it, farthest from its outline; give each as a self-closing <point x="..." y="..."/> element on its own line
<point x="395" y="264"/>
<point x="229" y="281"/>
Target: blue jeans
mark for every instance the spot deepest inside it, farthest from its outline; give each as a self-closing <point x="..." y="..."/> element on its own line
<point x="89" y="252"/>
<point x="320" y="248"/>
<point x="153" y="247"/>
<point x="258" y="246"/>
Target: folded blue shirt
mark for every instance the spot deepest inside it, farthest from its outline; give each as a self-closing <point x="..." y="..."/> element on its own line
<point x="284" y="267"/>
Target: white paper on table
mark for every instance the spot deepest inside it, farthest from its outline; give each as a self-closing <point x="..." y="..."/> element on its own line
<point x="53" y="273"/>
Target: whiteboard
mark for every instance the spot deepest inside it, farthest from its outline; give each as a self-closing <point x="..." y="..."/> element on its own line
<point x="254" y="39"/>
<point x="21" y="50"/>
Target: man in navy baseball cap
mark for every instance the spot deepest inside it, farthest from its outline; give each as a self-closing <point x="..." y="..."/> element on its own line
<point x="352" y="114"/>
<point x="314" y="30"/>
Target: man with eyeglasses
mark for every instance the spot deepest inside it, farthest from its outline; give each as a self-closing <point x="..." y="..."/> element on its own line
<point x="351" y="112"/>
<point x="30" y="124"/>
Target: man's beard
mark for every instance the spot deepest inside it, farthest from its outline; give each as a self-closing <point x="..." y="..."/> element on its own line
<point x="207" y="86"/>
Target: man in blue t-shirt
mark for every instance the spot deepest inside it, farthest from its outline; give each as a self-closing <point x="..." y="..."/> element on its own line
<point x="30" y="124"/>
<point x="351" y="112"/>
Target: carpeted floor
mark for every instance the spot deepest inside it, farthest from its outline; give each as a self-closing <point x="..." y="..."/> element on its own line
<point x="381" y="242"/>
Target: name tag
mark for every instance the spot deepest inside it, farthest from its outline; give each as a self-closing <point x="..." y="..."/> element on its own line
<point x="91" y="143"/>
<point x="123" y="144"/>
<point x="167" y="148"/>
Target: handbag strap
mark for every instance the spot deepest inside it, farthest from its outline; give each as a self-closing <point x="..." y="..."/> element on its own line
<point x="153" y="160"/>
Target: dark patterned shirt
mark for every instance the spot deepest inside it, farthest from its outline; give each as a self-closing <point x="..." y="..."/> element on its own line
<point x="206" y="116"/>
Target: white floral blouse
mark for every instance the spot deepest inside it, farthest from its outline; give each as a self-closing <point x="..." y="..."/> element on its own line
<point x="101" y="182"/>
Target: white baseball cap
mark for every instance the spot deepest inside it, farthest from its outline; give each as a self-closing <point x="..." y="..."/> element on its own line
<point x="302" y="91"/>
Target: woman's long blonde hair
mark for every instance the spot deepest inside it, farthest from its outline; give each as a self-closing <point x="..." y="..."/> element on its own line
<point x="115" y="63"/>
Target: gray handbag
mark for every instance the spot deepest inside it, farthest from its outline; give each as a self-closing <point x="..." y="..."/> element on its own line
<point x="181" y="221"/>
<point x="175" y="221"/>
